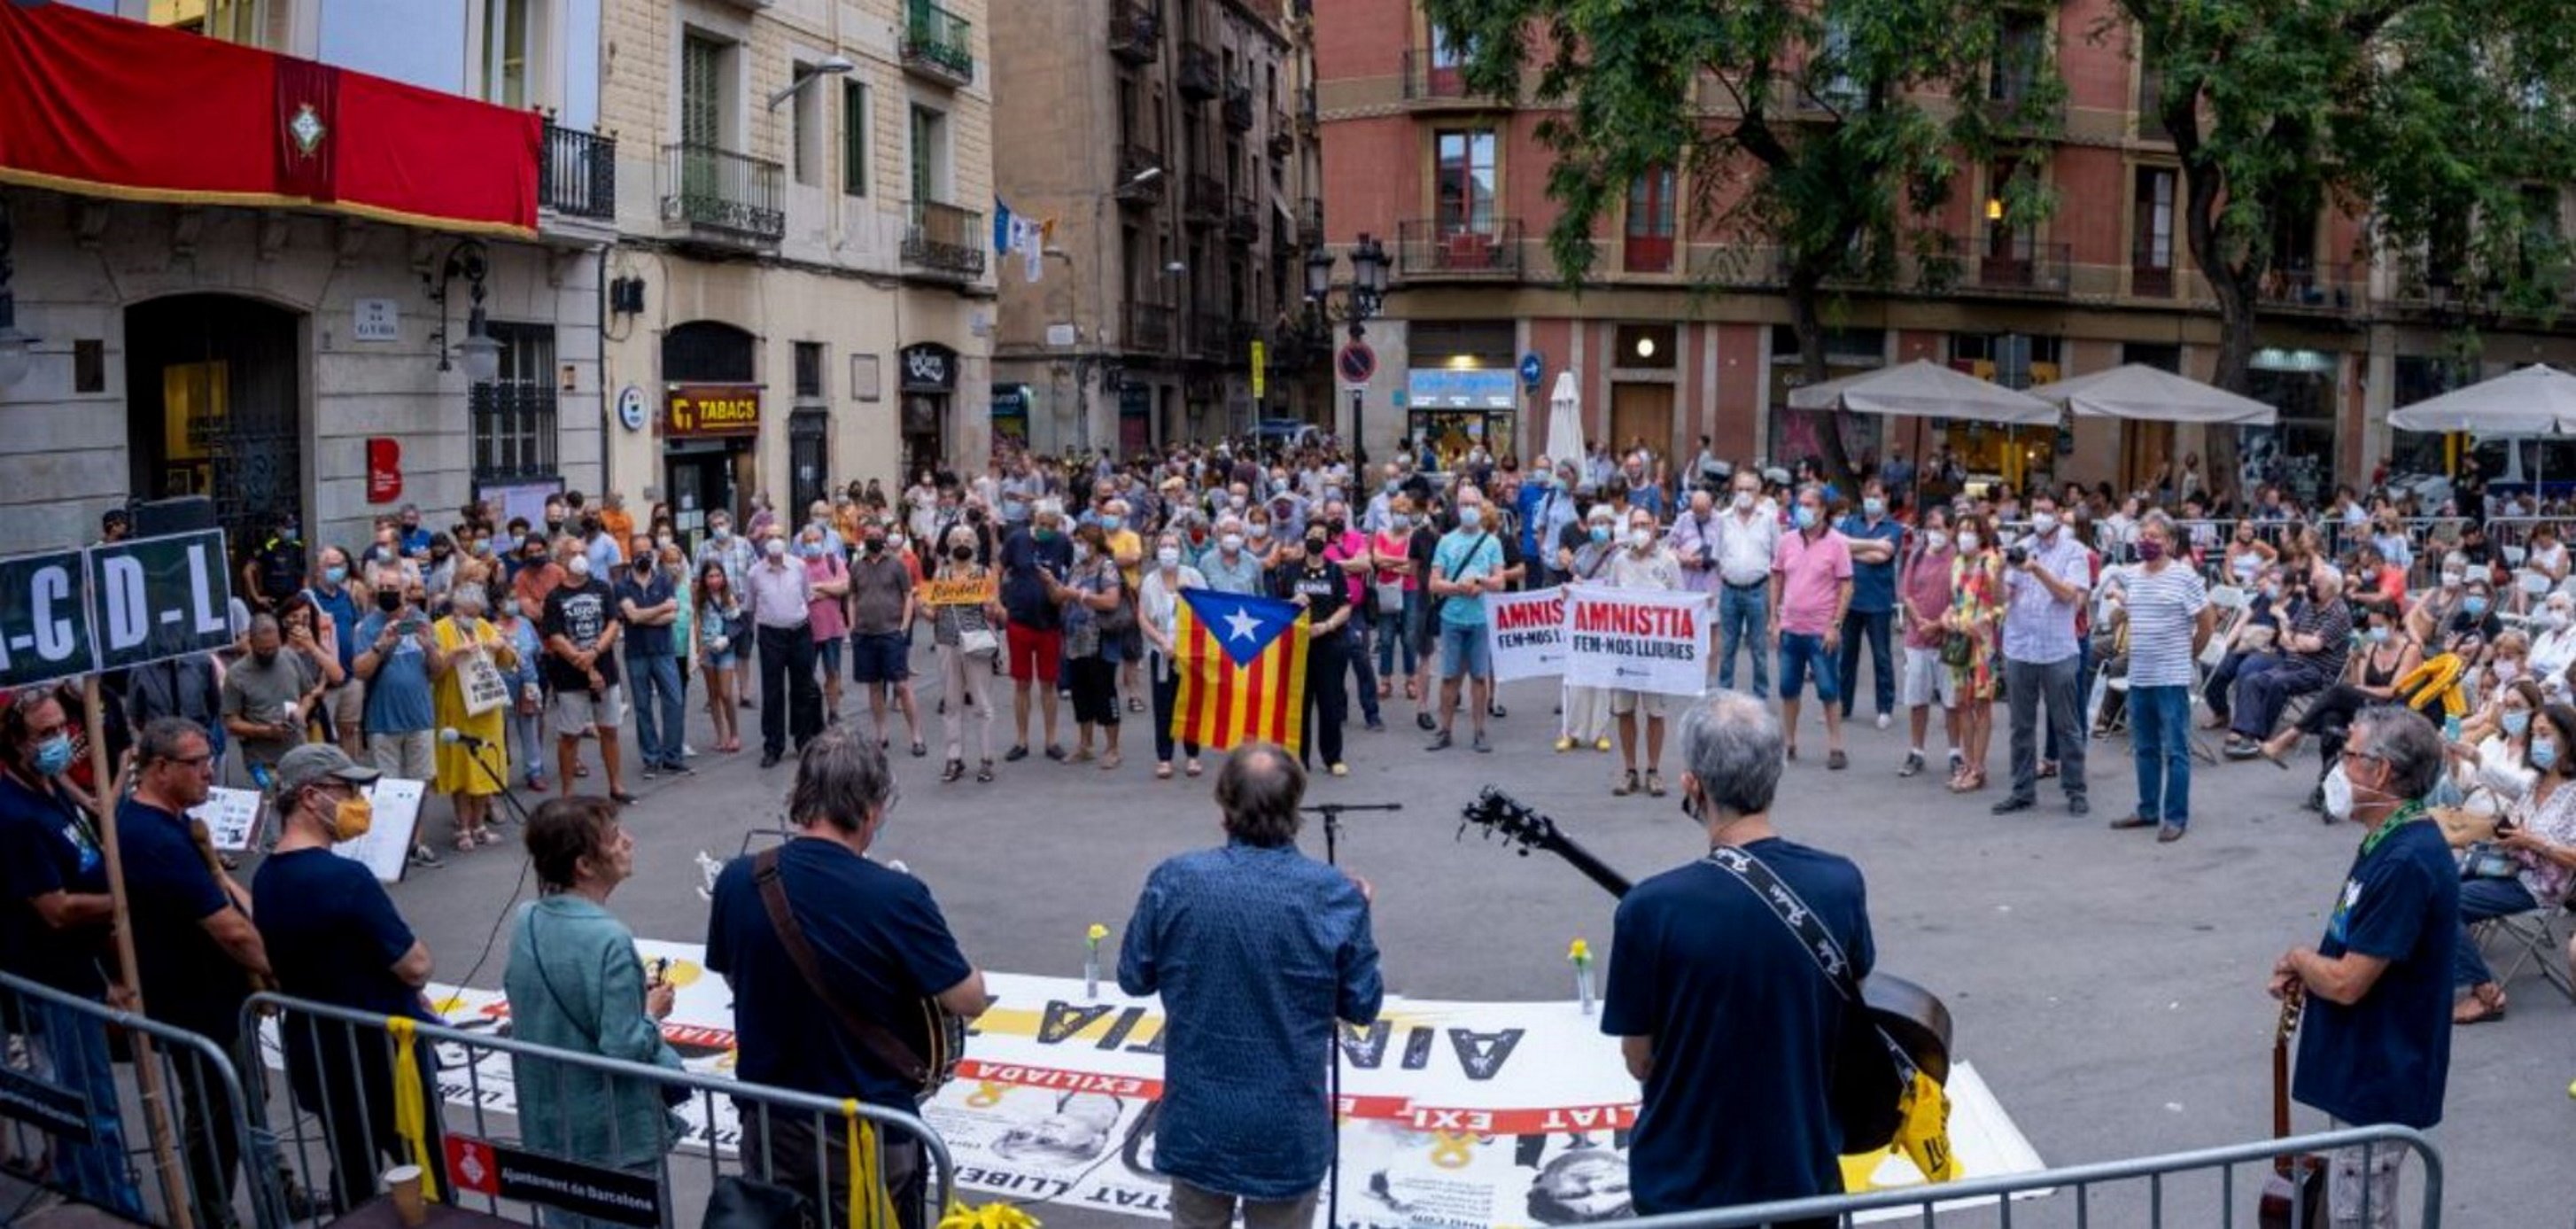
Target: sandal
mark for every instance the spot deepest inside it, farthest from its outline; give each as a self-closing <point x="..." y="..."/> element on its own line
<point x="486" y="835"/>
<point x="1627" y="784"/>
<point x="984" y="772"/>
<point x="1190" y="769"/>
<point x="1386" y="689"/>
<point x="2480" y="1007"/>
<point x="1163" y="771"/>
<point x="465" y="842"/>
<point x="954" y="770"/>
<point x="2047" y="769"/>
<point x="1110" y="761"/>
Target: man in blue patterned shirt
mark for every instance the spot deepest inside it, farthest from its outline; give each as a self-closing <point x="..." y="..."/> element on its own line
<point x="1256" y="949"/>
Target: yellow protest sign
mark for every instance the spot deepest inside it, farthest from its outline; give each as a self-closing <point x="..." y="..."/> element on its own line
<point x="975" y="592"/>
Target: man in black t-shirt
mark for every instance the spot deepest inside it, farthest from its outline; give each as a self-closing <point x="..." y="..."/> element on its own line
<point x="581" y="627"/>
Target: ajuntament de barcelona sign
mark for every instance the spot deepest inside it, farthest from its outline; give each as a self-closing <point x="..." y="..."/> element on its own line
<point x="696" y="410"/>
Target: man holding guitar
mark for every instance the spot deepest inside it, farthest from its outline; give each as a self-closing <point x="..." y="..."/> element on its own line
<point x="846" y="979"/>
<point x="1719" y="987"/>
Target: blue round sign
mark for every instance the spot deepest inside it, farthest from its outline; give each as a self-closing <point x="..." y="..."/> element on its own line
<point x="1532" y="367"/>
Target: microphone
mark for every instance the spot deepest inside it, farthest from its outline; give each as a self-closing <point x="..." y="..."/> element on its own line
<point x="454" y="737"/>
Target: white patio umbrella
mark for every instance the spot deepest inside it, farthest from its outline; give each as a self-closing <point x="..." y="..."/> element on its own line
<point x="1925" y="389"/>
<point x="2156" y="395"/>
<point x="2536" y="400"/>
<point x="1565" y="422"/>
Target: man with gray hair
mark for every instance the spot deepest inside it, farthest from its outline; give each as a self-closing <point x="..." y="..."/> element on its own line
<point x="813" y="935"/>
<point x="1256" y="949"/>
<point x="1718" y="1003"/>
<point x="2375" y="1045"/>
<point x="2315" y="640"/>
<point x="2170" y="620"/>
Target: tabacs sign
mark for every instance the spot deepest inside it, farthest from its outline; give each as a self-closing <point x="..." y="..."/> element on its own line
<point x="698" y="410"/>
<point x="112" y="606"/>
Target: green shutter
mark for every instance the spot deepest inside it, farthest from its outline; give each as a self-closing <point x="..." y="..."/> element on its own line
<point x="854" y="138"/>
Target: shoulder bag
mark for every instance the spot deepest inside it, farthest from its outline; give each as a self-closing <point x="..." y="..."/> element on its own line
<point x="1431" y="617"/>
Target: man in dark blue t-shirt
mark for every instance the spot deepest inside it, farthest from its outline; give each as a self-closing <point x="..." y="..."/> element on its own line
<point x="1876" y="539"/>
<point x="1722" y="1013"/>
<point x="879" y="944"/>
<point x="1034" y="636"/>
<point x="2375" y="1043"/>
<point x="333" y="937"/>
<point x="194" y="945"/>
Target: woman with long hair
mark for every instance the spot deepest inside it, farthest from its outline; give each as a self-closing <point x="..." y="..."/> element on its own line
<point x="719" y="630"/>
<point x="966" y="677"/>
<point x="1976" y="615"/>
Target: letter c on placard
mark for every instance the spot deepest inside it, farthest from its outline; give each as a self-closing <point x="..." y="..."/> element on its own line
<point x="52" y="587"/>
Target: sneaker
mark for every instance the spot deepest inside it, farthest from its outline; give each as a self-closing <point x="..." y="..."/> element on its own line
<point x="1601" y="744"/>
<point x="678" y="769"/>
<point x="1654" y="784"/>
<point x="1439" y="742"/>
<point x="1016" y="754"/>
<point x="652" y="770"/>
<point x="425" y="858"/>
<point x="1913" y="764"/>
<point x="1626" y="785"/>
<point x="1423" y="722"/>
<point x="1882" y="721"/>
<point x="1565" y="743"/>
<point x="2078" y="806"/>
<point x="1339" y="769"/>
<point x="1376" y="725"/>
<point x="1481" y="744"/>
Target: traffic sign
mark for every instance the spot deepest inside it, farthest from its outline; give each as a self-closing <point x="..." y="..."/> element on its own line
<point x="72" y="612"/>
<point x="1532" y="368"/>
<point x="1260" y="369"/>
<point x="1356" y="362"/>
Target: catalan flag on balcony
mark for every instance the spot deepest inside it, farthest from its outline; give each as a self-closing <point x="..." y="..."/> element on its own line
<point x="1242" y="666"/>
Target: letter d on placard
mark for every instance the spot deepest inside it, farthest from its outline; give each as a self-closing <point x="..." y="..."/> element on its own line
<point x="124" y="605"/>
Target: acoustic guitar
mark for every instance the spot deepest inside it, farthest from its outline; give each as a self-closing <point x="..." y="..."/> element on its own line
<point x="2294" y="1195"/>
<point x="1915" y="1022"/>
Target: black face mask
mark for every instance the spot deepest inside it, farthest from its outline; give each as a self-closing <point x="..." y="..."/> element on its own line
<point x="961" y="553"/>
<point x="388" y="601"/>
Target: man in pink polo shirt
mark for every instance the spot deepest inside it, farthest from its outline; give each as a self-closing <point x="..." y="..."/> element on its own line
<point x="1811" y="587"/>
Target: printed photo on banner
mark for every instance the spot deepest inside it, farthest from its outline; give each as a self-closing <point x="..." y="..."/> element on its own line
<point x="1526" y="633"/>
<point x="1637" y="640"/>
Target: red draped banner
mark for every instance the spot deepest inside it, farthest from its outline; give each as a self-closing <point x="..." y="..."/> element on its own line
<point x="103" y="106"/>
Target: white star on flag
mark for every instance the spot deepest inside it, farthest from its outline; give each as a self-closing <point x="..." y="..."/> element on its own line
<point x="1241" y="626"/>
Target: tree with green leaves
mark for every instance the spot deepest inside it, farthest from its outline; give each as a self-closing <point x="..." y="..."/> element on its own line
<point x="1826" y="131"/>
<point x="2448" y="125"/>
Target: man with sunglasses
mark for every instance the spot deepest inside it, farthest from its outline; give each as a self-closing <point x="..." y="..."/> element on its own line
<point x="194" y="944"/>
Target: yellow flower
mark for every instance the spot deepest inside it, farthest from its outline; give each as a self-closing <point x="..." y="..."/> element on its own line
<point x="1096" y="933"/>
<point x="1579" y="952"/>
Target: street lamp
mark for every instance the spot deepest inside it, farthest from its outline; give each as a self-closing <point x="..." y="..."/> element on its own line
<point x="14" y="345"/>
<point x="832" y="66"/>
<point x="1367" y="295"/>
<point x="479" y="353"/>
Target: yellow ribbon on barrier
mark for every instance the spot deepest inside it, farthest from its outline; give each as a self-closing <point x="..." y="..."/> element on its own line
<point x="1923" y="1133"/>
<point x="411" y="1106"/>
<point x="867" y="1181"/>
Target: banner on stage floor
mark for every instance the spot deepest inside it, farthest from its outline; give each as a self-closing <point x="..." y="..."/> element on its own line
<point x="1637" y="640"/>
<point x="1526" y="633"/>
<point x="1457" y="1115"/>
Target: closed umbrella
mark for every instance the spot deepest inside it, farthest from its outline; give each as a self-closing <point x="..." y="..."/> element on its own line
<point x="1564" y="422"/>
<point x="2154" y="394"/>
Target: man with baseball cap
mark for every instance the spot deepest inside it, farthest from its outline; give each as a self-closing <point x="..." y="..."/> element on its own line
<point x="333" y="937"/>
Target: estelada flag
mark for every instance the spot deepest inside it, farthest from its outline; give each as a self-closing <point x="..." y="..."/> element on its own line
<point x="1242" y="666"/>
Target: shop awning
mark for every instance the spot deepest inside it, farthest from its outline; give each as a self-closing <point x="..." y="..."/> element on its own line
<point x="1924" y="389"/>
<point x="2536" y="400"/>
<point x="103" y="106"/>
<point x="2156" y="395"/>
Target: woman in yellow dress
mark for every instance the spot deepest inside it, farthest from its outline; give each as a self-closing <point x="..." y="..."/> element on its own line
<point x="465" y="635"/>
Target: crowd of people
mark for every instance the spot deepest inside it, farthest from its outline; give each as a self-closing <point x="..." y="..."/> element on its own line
<point x="2431" y="666"/>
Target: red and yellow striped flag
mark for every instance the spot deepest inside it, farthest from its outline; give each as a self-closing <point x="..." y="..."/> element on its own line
<point x="1242" y="670"/>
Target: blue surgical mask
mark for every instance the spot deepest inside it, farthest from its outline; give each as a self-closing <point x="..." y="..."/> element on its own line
<point x="335" y="573"/>
<point x="2543" y="755"/>
<point x="1873" y="506"/>
<point x="1601" y="533"/>
<point x="2379" y="635"/>
<point x="1804" y="516"/>
<point x="2516" y="722"/>
<point x="1113" y="523"/>
<point x="2476" y="606"/>
<point x="54" y="755"/>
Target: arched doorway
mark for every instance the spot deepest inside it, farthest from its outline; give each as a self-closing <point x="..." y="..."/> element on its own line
<point x="709" y="461"/>
<point x="215" y="407"/>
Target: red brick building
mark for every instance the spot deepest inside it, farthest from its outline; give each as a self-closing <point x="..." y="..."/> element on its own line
<point x="1683" y="332"/>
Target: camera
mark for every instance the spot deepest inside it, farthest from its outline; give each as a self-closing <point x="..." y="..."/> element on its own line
<point x="2016" y="555"/>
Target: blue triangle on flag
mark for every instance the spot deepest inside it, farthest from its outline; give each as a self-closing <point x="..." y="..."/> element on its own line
<point x="1243" y="626"/>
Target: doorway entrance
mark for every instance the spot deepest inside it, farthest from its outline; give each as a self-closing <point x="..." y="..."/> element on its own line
<point x="1641" y="413"/>
<point x="215" y="407"/>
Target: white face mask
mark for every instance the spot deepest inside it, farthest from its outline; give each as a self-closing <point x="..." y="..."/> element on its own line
<point x="1936" y="539"/>
<point x="2043" y="523"/>
<point x="1968" y="542"/>
<point x="1640" y="539"/>
<point x="579" y="566"/>
<point x="1743" y="500"/>
<point x="2338" y="793"/>
<point x="1231" y="542"/>
<point x="1168" y="557"/>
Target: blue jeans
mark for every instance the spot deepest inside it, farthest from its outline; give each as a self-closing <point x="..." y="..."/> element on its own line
<point x="76" y="1044"/>
<point x="659" y="715"/>
<point x="2160" y="735"/>
<point x="1873" y="625"/>
<point x="1396" y="633"/>
<point x="1799" y="654"/>
<point x="1744" y="618"/>
<point x="1355" y="645"/>
<point x="2480" y="900"/>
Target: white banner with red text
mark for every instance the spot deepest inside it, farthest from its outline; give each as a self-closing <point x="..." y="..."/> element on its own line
<point x="1637" y="639"/>
<point x="1525" y="633"/>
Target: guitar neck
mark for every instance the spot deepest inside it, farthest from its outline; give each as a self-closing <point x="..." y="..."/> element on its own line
<point x="1593" y="868"/>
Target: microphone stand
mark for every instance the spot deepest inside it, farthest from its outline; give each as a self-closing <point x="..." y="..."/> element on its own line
<point x="474" y="748"/>
<point x="1332" y="813"/>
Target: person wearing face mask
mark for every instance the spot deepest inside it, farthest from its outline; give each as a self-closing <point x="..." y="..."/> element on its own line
<point x="1306" y="576"/>
<point x="333" y="936"/>
<point x="467" y="774"/>
<point x="524" y="719"/>
<point x="1923" y="606"/>
<point x="1395" y="589"/>
<point x="1875" y="540"/>
<point x="1467" y="564"/>
<point x="268" y="693"/>
<point x="1034" y="558"/>
<point x="2386" y="655"/>
<point x="648" y="605"/>
<point x="1093" y="597"/>
<point x="581" y="630"/>
<point x="2553" y="646"/>
<point x="1811" y="574"/>
<point x="884" y="600"/>
<point x="2169" y="621"/>
<point x="2537" y="836"/>
<point x="336" y="600"/>
<point x="1158" y="602"/>
<point x="54" y="931"/>
<point x="966" y="674"/>
<point x="1232" y="565"/>
<point x="1586" y="710"/>
<point x="778" y="596"/>
<point x="2313" y="644"/>
<point x="400" y="659"/>
<point x="2375" y="1039"/>
<point x="2046" y="576"/>
<point x="1748" y="537"/>
<point x="1643" y="562"/>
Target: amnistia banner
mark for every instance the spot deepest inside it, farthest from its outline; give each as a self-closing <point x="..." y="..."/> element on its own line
<point x="1525" y="632"/>
<point x="1637" y="639"/>
<point x="1456" y="1115"/>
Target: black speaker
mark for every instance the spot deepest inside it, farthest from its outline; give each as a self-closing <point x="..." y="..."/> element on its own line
<point x="153" y="518"/>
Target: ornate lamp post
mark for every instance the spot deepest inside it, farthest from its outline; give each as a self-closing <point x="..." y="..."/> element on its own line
<point x="1366" y="295"/>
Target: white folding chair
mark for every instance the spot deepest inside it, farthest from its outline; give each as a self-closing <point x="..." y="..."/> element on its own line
<point x="2514" y="555"/>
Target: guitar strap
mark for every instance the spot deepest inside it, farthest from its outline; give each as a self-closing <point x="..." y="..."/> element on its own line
<point x="1792" y="910"/>
<point x="879" y="1040"/>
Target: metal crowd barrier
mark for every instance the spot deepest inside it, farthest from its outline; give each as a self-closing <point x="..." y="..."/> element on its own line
<point x="490" y="1156"/>
<point x="2155" y="1194"/>
<point x="74" y="1128"/>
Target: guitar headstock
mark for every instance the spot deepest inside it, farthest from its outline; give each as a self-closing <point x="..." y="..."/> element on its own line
<point x="1499" y="814"/>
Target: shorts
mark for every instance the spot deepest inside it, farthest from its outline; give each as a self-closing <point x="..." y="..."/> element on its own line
<point x="1926" y="680"/>
<point x="1652" y="703"/>
<point x="1463" y="651"/>
<point x="575" y="713"/>
<point x="346" y="704"/>
<point x="1033" y="655"/>
<point x="880" y="657"/>
<point x="827" y="652"/>
<point x="1800" y="653"/>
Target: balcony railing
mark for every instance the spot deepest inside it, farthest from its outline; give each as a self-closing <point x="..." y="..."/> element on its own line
<point x="722" y="194"/>
<point x="1308" y="113"/>
<point x="1202" y="200"/>
<point x="938" y="44"/>
<point x="1238" y="106"/>
<point x="1482" y="248"/>
<point x="1210" y="335"/>
<point x="2307" y="286"/>
<point x="1149" y="328"/>
<point x="1134" y="161"/>
<point x="945" y="238"/>
<point x="1283" y="139"/>
<point x="1430" y="78"/>
<point x="2021" y="266"/>
<point x="578" y="175"/>
<point x="1197" y="79"/>
<point x="1310" y="222"/>
<point x="1135" y="32"/>
<point x="2151" y="281"/>
<point x="1243" y="220"/>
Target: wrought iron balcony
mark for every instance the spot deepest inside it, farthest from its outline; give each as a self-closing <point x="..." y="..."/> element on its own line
<point x="1198" y="80"/>
<point x="1133" y="161"/>
<point x="945" y="239"/>
<point x="1135" y="32"/>
<point x="1431" y="78"/>
<point x="1428" y="249"/>
<point x="2331" y="288"/>
<point x="938" y="44"/>
<point x="1307" y="112"/>
<point x="1210" y="335"/>
<point x="1238" y="106"/>
<point x="1243" y="221"/>
<point x="1283" y="139"/>
<point x="2021" y="266"/>
<point x="578" y="175"/>
<point x="1202" y="200"/>
<point x="1149" y="328"/>
<point x="1310" y="222"/>
<point x="723" y="195"/>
